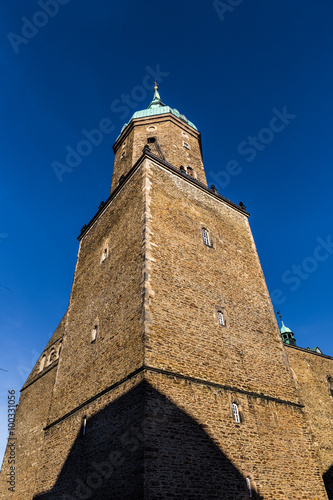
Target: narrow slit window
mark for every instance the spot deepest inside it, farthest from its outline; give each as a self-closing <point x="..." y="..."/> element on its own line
<point x="84" y="426"/>
<point x="248" y="484"/>
<point x="94" y="333"/>
<point x="104" y="254"/>
<point x="205" y="237"/>
<point x="221" y="318"/>
<point x="235" y="412"/>
<point x="186" y="146"/>
<point x="330" y="384"/>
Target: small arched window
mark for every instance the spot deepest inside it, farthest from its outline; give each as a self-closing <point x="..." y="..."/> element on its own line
<point x="52" y="356"/>
<point x="59" y="349"/>
<point x="235" y="412"/>
<point x="42" y="363"/>
<point x="221" y="318"/>
<point x="205" y="237"/>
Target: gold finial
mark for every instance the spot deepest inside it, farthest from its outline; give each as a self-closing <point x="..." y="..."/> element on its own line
<point x="156" y="85"/>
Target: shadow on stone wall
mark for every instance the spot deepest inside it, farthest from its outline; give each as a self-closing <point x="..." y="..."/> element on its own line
<point x="328" y="480"/>
<point x="143" y="429"/>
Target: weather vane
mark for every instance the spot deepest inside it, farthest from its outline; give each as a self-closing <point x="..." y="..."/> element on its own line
<point x="279" y="313"/>
<point x="156" y="84"/>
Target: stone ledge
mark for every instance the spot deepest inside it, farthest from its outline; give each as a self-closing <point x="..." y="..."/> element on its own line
<point x="146" y="369"/>
<point x="148" y="154"/>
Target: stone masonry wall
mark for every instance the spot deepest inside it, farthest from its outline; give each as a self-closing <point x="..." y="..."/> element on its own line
<point x="190" y="282"/>
<point x="171" y="134"/>
<point x="104" y="462"/>
<point x="106" y="294"/>
<point x="30" y="419"/>
<point x="195" y="449"/>
<point x="311" y="372"/>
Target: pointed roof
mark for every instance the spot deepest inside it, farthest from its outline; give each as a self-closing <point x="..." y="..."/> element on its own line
<point x="156" y="102"/>
<point x="286" y="334"/>
<point x="284" y="329"/>
<point x="157" y="107"/>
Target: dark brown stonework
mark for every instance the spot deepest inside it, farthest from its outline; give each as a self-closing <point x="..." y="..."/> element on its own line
<point x="135" y="397"/>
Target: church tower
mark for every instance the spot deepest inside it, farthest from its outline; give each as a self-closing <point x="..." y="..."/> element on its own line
<point x="167" y="377"/>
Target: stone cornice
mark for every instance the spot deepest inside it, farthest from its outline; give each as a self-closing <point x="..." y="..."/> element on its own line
<point x="165" y="164"/>
<point x="150" y="369"/>
<point x="155" y="119"/>
<point x="303" y="349"/>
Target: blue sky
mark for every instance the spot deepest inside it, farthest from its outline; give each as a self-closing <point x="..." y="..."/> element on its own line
<point x="231" y="67"/>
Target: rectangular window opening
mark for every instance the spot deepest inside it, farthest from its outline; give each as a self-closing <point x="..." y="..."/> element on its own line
<point x="221" y="318"/>
<point x="205" y="236"/>
<point x="84" y="426"/>
<point x="235" y="411"/>
<point x="94" y="333"/>
<point x="248" y="484"/>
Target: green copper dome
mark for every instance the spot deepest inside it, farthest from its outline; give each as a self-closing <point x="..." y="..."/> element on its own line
<point x="287" y="335"/>
<point x="285" y="329"/>
<point x="157" y="107"/>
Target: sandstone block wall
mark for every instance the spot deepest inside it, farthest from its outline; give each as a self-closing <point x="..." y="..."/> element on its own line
<point x="30" y="419"/>
<point x="171" y="134"/>
<point x="106" y="462"/>
<point x="194" y="448"/>
<point x="106" y="294"/>
<point x="190" y="282"/>
<point x="312" y="372"/>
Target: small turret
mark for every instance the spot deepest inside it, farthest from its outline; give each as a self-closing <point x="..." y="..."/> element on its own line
<point x="286" y="334"/>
